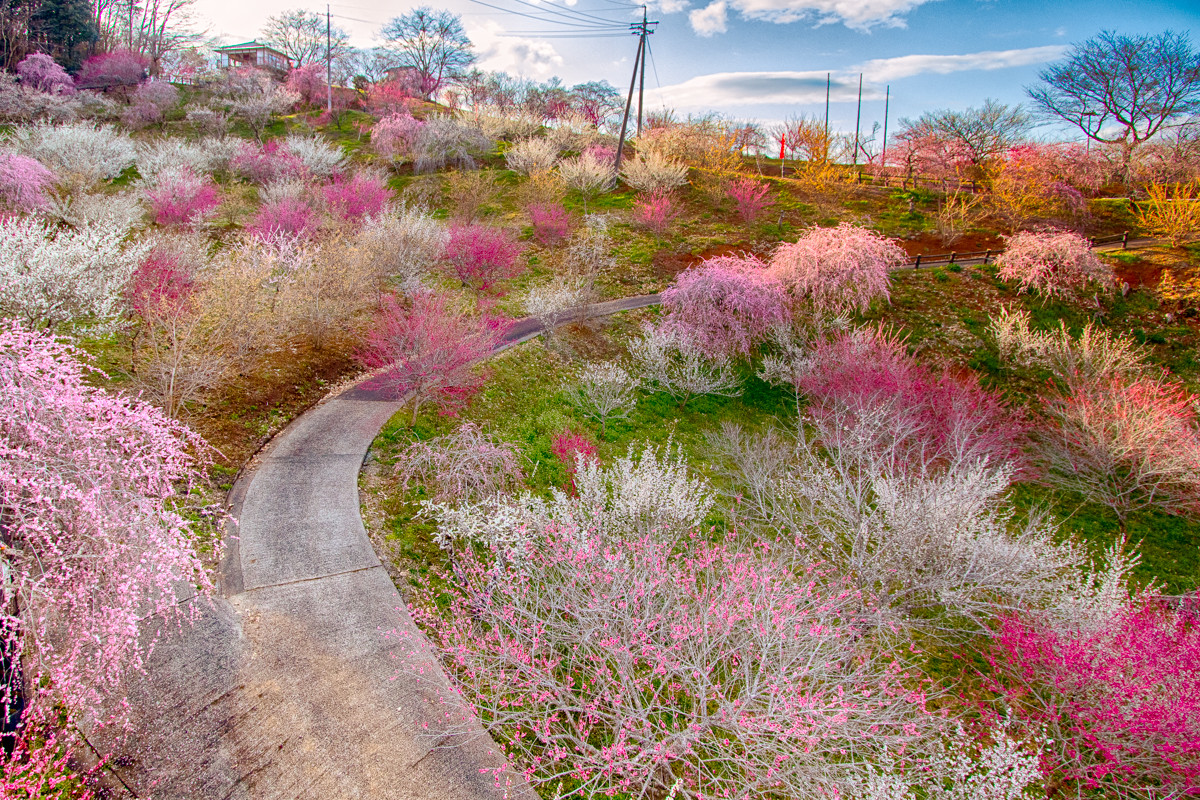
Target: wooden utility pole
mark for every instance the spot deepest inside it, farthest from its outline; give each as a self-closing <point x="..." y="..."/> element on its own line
<point x="641" y="30"/>
<point x="858" y="120"/>
<point x="642" y="76"/>
<point x="826" y="116"/>
<point x="887" y="98"/>
<point x="328" y="65"/>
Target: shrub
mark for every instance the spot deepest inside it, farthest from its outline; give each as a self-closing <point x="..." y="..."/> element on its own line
<point x="1121" y="704"/>
<point x="255" y="96"/>
<point x="286" y="216"/>
<point x="361" y="196"/>
<point x="49" y="276"/>
<point x="404" y="245"/>
<point x="161" y="284"/>
<point x="442" y="142"/>
<point x="267" y="164"/>
<point x="1172" y="212"/>
<point x="468" y="465"/>
<point x="604" y="391"/>
<point x="657" y="212"/>
<point x="90" y="490"/>
<point x="670" y="362"/>
<point x="115" y="69"/>
<point x="551" y="224"/>
<point x="23" y="182"/>
<point x="838" y="268"/>
<point x="530" y="156"/>
<point x="429" y="350"/>
<point x="318" y="156"/>
<point x="182" y="197"/>
<point x="750" y="198"/>
<point x="727" y="305"/>
<point x="1057" y="264"/>
<point x="653" y="172"/>
<point x="572" y="448"/>
<point x="480" y="255"/>
<point x="395" y="135"/>
<point x="82" y="152"/>
<point x="160" y="94"/>
<point x="551" y="302"/>
<point x="1127" y="443"/>
<point x="650" y="629"/>
<point x="40" y="71"/>
<point x="586" y="175"/>
<point x="391" y="97"/>
<point x="1095" y="355"/>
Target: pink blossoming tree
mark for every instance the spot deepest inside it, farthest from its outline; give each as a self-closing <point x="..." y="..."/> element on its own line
<point x="181" y="197"/>
<point x="481" y="255"/>
<point x="23" y="182"/>
<point x="838" y="268"/>
<point x="1055" y="263"/>
<point x="750" y="198"/>
<point x="361" y="196"/>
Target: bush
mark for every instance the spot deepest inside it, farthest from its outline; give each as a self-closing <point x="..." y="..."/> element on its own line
<point x="404" y="245"/>
<point x="727" y="305"/>
<point x="1172" y="212"/>
<point x="551" y="224"/>
<point x="838" y="268"/>
<point x="466" y="465"/>
<point x="308" y="82"/>
<point x="750" y="198"/>
<point x="287" y="216"/>
<point x="530" y="156"/>
<point x="318" y="156"/>
<point x="1057" y="264"/>
<point x="657" y="212"/>
<point x="604" y="391"/>
<point x="1127" y="443"/>
<point x="205" y="157"/>
<point x="480" y="255"/>
<point x="23" y="183"/>
<point x="361" y="196"/>
<point x="442" y="142"/>
<point x="109" y="70"/>
<point x="182" y="197"/>
<point x="586" y="175"/>
<point x="1095" y="355"/>
<point x="653" y="172"/>
<point x="149" y="103"/>
<point x="673" y="363"/>
<point x="395" y="135"/>
<point x="267" y="164"/>
<point x="40" y="71"/>
<point x="161" y="285"/>
<point x="79" y="152"/>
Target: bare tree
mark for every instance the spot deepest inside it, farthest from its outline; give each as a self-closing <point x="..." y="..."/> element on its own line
<point x="152" y="28"/>
<point x="978" y="134"/>
<point x="433" y="43"/>
<point x="300" y="35"/>
<point x="1122" y="89"/>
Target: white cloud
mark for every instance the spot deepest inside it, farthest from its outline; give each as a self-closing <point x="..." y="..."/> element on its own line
<point x="710" y="19"/>
<point x="519" y="55"/>
<point x="889" y="69"/>
<point x="668" y="6"/>
<point x="857" y="14"/>
<point x="757" y="88"/>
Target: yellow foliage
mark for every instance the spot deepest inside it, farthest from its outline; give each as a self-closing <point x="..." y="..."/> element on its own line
<point x="1180" y="287"/>
<point x="1172" y="212"/>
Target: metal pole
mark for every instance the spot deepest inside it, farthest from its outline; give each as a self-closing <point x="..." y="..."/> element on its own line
<point x="328" y="65"/>
<point x="629" y="102"/>
<point x="826" y="116"/>
<point x="642" y="79"/>
<point x="858" y="120"/>
<point x="887" y="96"/>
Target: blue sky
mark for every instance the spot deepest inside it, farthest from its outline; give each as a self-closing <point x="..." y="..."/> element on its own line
<point x="766" y="59"/>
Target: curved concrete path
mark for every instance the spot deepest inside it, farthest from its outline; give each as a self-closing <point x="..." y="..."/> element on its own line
<point x="286" y="685"/>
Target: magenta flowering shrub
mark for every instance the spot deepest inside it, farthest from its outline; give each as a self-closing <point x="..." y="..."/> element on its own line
<point x="750" y="198"/>
<point x="605" y="154"/>
<point x="94" y="544"/>
<point x="181" y="197"/>
<point x="118" y="68"/>
<point x="838" y="268"/>
<point x="23" y="182"/>
<point x="284" y="216"/>
<point x="727" y="305"/>
<point x="656" y="211"/>
<point x="430" y="349"/>
<point x="267" y="164"/>
<point x="40" y="71"/>
<point x="481" y="256"/>
<point x="570" y="447"/>
<point x="1055" y="263"/>
<point x="551" y="223"/>
<point x="866" y="381"/>
<point x="627" y="664"/>
<point x="161" y="285"/>
<point x="308" y="81"/>
<point x="1121" y="703"/>
<point x="361" y="196"/>
<point x="40" y="767"/>
<point x="394" y="135"/>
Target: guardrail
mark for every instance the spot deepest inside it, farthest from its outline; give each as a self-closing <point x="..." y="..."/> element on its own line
<point x="986" y="256"/>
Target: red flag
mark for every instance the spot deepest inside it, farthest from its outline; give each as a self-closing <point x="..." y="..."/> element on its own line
<point x="782" y="142"/>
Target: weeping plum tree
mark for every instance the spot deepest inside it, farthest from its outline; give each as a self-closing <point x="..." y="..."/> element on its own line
<point x="91" y="540"/>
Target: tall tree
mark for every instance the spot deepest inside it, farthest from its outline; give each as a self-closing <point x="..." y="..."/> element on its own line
<point x="300" y="35"/>
<point x="15" y="16"/>
<point x="63" y="29"/>
<point x="431" y="42"/>
<point x="1122" y="89"/>
<point x="977" y="134"/>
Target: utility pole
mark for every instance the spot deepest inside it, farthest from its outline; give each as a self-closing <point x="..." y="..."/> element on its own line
<point x="641" y="30"/>
<point x="887" y="98"/>
<point x="826" y="116"/>
<point x="642" y="77"/>
<point x="858" y="120"/>
<point x="328" y="65"/>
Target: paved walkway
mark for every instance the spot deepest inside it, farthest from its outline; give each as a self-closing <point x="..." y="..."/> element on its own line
<point x="286" y="686"/>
